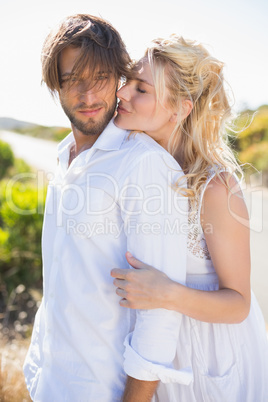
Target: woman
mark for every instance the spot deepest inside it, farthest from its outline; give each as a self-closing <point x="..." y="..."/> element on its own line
<point x="223" y="334"/>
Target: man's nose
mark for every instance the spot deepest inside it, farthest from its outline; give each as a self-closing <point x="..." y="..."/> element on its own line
<point x="88" y="94"/>
<point x="124" y="93"/>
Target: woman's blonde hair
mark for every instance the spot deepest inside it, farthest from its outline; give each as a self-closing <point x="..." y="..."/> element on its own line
<point x="200" y="141"/>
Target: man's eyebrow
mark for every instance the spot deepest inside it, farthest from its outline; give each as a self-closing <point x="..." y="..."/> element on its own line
<point x="97" y="73"/>
<point x="103" y="72"/>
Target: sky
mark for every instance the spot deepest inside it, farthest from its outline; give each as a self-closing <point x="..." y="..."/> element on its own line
<point x="234" y="31"/>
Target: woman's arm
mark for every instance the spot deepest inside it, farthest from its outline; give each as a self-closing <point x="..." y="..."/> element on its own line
<point x="225" y="213"/>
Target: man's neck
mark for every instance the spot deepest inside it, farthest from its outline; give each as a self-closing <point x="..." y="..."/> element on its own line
<point x="82" y="142"/>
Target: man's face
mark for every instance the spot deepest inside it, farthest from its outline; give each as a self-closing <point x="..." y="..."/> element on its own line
<point x="88" y="105"/>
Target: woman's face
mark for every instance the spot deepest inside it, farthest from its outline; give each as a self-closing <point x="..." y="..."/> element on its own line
<point x="138" y="108"/>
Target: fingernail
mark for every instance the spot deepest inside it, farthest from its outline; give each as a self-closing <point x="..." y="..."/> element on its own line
<point x="129" y="254"/>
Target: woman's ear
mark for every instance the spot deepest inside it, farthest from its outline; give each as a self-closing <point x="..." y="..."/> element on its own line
<point x="186" y="107"/>
<point x="174" y="118"/>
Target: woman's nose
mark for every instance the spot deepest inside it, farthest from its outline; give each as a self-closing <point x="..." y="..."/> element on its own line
<point x="123" y="93"/>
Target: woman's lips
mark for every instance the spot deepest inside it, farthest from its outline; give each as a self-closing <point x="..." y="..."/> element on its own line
<point x="122" y="110"/>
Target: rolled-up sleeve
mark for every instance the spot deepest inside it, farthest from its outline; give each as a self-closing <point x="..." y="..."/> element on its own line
<point x="155" y="219"/>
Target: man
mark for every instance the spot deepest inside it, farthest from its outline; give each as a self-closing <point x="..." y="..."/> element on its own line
<point x="111" y="193"/>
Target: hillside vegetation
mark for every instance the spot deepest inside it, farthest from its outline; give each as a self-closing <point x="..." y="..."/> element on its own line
<point x="251" y="143"/>
<point x="47" y="133"/>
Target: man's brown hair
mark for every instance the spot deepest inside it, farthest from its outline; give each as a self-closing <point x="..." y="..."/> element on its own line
<point x="101" y="46"/>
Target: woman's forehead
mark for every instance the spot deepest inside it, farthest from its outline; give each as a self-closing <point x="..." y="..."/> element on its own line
<point x="142" y="71"/>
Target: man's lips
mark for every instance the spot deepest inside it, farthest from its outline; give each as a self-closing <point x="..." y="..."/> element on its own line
<point x="89" y="112"/>
<point x="121" y="109"/>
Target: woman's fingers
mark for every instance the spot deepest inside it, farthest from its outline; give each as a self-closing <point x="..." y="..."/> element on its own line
<point x="128" y="283"/>
<point x="134" y="262"/>
<point x="125" y="303"/>
<point x="121" y="292"/>
<point x="119" y="283"/>
<point x="119" y="273"/>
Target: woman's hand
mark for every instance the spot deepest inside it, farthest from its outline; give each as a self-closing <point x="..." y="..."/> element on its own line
<point x="143" y="287"/>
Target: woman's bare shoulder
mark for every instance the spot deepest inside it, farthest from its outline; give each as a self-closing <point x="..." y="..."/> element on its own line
<point x="222" y="196"/>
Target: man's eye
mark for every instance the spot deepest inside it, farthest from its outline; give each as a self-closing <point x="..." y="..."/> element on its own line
<point x="69" y="79"/>
<point x="102" y="77"/>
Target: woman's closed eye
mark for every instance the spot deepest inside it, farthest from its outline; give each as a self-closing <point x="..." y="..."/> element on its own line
<point x="141" y="90"/>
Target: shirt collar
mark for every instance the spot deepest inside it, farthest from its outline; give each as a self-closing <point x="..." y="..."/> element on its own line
<point x="110" y="139"/>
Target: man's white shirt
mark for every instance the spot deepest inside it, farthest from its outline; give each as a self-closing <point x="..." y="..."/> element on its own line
<point x="116" y="196"/>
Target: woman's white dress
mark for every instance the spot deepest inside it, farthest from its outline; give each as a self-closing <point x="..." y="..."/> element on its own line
<point x="229" y="361"/>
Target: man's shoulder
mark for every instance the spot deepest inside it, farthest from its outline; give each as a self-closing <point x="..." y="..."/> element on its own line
<point x="142" y="141"/>
<point x="144" y="159"/>
<point x="139" y="146"/>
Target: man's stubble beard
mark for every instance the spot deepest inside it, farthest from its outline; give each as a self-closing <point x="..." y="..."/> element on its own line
<point x="91" y="127"/>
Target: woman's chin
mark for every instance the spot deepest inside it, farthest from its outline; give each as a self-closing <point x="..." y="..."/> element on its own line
<point x="120" y="123"/>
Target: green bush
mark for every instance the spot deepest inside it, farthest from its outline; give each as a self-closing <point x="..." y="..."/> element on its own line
<point x="257" y="155"/>
<point x="252" y="127"/>
<point x="21" y="217"/>
<point x="6" y="158"/>
<point x="251" y="141"/>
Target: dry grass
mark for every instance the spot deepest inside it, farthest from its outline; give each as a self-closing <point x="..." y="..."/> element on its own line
<point x="12" y="384"/>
